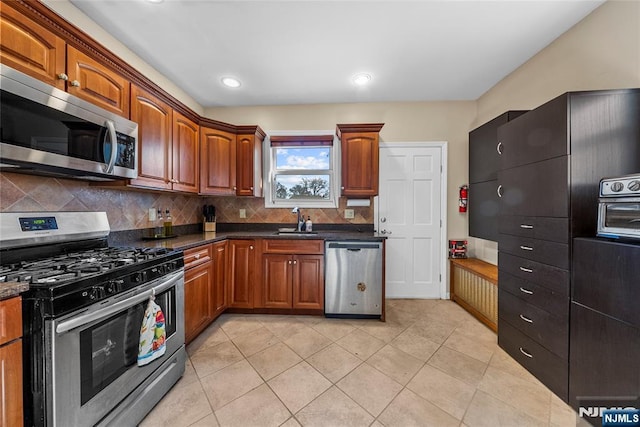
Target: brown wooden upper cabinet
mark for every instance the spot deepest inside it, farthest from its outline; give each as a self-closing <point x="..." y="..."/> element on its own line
<point x="230" y="163"/>
<point x="167" y="145"/>
<point x="217" y="162"/>
<point x="360" y="158"/>
<point x="249" y="161"/>
<point x="29" y="47"/>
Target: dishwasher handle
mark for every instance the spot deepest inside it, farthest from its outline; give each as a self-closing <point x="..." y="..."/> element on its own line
<point x="353" y="246"/>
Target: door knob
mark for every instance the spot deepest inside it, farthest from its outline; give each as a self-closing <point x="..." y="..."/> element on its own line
<point x="385" y="232"/>
<point x="383" y="219"/>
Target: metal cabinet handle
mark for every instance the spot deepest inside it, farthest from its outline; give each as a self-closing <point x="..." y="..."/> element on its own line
<point x="526" y="226"/>
<point x="526" y="270"/>
<point x="251" y="188"/>
<point x="526" y="291"/>
<point x="75" y="83"/>
<point x="63" y="76"/>
<point x="383" y="219"/>
<point x="251" y="247"/>
<point x="235" y="188"/>
<point x="526" y="248"/>
<point x="197" y="256"/>
<point x="526" y="319"/>
<point x="499" y="190"/>
<point x="342" y="188"/>
<point x="499" y="148"/>
<point x="295" y="262"/>
<point x="529" y="355"/>
<point x="289" y="262"/>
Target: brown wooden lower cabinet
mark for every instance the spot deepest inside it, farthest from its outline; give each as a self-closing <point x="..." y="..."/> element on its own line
<point x="11" y="363"/>
<point x="242" y="256"/>
<point x="205" y="286"/>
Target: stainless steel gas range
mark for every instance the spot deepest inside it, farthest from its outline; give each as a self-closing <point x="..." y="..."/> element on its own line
<point x="82" y="317"/>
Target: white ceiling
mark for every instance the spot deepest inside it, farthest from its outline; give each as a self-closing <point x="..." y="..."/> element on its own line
<point x="305" y="51"/>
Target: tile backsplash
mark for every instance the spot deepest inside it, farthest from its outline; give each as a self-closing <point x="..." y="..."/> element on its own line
<point x="128" y="209"/>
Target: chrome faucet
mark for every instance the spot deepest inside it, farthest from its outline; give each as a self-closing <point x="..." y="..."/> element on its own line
<point x="297" y="210"/>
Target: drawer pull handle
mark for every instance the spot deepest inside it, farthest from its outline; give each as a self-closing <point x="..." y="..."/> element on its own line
<point x="526" y="319"/>
<point x="526" y="291"/>
<point x="526" y="248"/>
<point x="197" y="256"/>
<point x="499" y="191"/>
<point x="530" y="356"/>
<point x="499" y="148"/>
<point x="526" y="270"/>
<point x="526" y="226"/>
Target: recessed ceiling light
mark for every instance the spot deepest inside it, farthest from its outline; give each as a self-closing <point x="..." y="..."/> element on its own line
<point x="361" y="79"/>
<point x="230" y="82"/>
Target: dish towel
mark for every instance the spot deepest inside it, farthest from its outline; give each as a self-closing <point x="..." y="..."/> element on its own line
<point x="152" y="334"/>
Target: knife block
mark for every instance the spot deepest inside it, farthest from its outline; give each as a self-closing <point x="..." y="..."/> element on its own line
<point x="209" y="227"/>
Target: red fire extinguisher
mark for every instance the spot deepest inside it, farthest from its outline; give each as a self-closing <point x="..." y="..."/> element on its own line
<point x="464" y="198"/>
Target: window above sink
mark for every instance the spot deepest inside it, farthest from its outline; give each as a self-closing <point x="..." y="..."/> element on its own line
<point x="302" y="169"/>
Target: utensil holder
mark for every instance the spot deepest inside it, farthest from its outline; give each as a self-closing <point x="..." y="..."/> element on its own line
<point x="209" y="226"/>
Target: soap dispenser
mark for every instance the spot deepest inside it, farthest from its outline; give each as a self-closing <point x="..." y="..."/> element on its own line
<point x="308" y="224"/>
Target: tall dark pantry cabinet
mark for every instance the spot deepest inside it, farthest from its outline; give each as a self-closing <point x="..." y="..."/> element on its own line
<point x="553" y="158"/>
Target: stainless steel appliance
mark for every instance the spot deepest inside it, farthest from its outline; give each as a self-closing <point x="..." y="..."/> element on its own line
<point x="353" y="279"/>
<point x="82" y="317"/>
<point x="48" y="131"/>
<point x="619" y="207"/>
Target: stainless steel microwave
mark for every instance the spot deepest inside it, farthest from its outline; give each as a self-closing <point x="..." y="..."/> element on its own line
<point x="44" y="130"/>
<point x="619" y="207"/>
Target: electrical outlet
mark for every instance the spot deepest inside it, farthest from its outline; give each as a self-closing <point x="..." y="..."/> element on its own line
<point x="243" y="213"/>
<point x="152" y="214"/>
<point x="348" y="213"/>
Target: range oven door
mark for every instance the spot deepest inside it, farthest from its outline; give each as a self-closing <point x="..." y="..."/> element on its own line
<point x="94" y="352"/>
<point x="619" y="218"/>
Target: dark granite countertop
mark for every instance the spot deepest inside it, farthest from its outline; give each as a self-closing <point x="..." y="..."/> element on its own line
<point x="192" y="240"/>
<point x="12" y="289"/>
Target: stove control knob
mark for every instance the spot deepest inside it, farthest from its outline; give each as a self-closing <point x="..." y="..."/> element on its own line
<point x="137" y="277"/>
<point x="634" y="185"/>
<point x="95" y="293"/>
<point x="617" y="186"/>
<point x="113" y="287"/>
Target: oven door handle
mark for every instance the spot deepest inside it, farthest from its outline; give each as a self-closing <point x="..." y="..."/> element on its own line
<point x="101" y="313"/>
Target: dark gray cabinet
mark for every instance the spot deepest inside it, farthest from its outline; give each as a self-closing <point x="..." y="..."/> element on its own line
<point x="484" y="163"/>
<point x="553" y="158"/>
<point x="605" y="324"/>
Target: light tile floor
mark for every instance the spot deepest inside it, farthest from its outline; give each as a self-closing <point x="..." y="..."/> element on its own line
<point x="430" y="364"/>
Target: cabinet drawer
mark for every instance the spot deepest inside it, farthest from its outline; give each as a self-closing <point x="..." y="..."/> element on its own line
<point x="543" y="251"/>
<point x="292" y="246"/>
<point x="545" y="275"/>
<point x="605" y="278"/>
<point x="551" y="301"/>
<point x="537" y="189"/>
<point x="547" y="330"/>
<point x="538" y="135"/>
<point x="10" y="319"/>
<point x="197" y="256"/>
<point x="544" y="228"/>
<point x="550" y="369"/>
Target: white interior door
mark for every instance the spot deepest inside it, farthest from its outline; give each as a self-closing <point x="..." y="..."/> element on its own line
<point x="411" y="212"/>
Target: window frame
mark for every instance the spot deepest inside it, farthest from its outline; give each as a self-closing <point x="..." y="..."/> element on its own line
<point x="270" y="170"/>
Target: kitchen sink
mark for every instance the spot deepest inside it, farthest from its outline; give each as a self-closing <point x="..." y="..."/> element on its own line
<point x="294" y="232"/>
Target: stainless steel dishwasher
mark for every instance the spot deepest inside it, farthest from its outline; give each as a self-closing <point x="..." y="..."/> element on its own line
<point x="353" y="279"/>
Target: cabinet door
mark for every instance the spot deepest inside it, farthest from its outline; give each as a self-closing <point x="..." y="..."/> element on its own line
<point x="185" y="156"/>
<point x="241" y="273"/>
<point x="308" y="282"/>
<point x="154" y="119"/>
<point x="217" y="162"/>
<point x="277" y="280"/>
<point x="537" y="189"/>
<point x="360" y="164"/>
<point x="484" y="205"/>
<point x="220" y="278"/>
<point x="93" y="82"/>
<point x="30" y="48"/>
<point x="249" y="166"/>
<point x="198" y="300"/>
<point x="11" y="384"/>
<point x="540" y="134"/>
